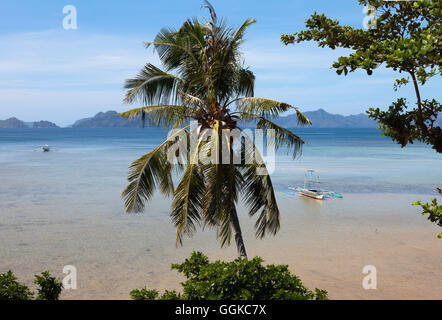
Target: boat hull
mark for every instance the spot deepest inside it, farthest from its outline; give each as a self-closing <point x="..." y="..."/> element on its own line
<point x="312" y="194"/>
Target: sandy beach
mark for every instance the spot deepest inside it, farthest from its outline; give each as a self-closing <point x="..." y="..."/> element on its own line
<point x="325" y="243"/>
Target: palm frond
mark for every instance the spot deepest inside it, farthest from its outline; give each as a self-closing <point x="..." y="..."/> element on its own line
<point x="282" y="137"/>
<point x="187" y="200"/>
<point x="191" y="101"/>
<point x="152" y="86"/>
<point x="246" y="83"/>
<point x="145" y="174"/>
<point x="209" y="6"/>
<point x="230" y="179"/>
<point x="259" y="195"/>
<point x="239" y="34"/>
<point x="302" y="118"/>
<point x="267" y="108"/>
<point x="174" y="48"/>
<point x="213" y="198"/>
<point x="223" y="182"/>
<point x="262" y="107"/>
<point x="195" y="32"/>
<point x="161" y="115"/>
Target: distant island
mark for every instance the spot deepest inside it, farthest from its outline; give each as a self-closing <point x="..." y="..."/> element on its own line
<point x="108" y="119"/>
<point x="112" y="119"/>
<point x="16" y="123"/>
<point x="320" y="119"/>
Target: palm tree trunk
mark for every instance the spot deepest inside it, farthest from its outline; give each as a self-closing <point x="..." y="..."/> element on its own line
<point x="240" y="247"/>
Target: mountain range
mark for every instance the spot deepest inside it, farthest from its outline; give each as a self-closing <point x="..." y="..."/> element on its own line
<point x="111" y="119"/>
<point x="15" y="123"/>
<point x="320" y="119"/>
<point x="108" y="119"/>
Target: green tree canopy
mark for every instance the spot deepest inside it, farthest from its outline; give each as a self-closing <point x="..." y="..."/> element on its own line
<point x="405" y="37"/>
<point x="49" y="288"/>
<point x="236" y="280"/>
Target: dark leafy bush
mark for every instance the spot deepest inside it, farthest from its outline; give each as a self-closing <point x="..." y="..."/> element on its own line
<point x="50" y="287"/>
<point x="10" y="289"/>
<point x="144" y="294"/>
<point x="236" y="280"/>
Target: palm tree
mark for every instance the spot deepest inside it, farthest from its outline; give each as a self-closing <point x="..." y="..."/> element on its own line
<point x="203" y="79"/>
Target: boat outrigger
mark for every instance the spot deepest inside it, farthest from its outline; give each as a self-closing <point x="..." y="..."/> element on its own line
<point x="312" y="188"/>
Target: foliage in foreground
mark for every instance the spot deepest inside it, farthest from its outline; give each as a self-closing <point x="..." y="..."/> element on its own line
<point x="434" y="212"/>
<point x="49" y="288"/>
<point x="11" y="289"/>
<point x="236" y="280"/>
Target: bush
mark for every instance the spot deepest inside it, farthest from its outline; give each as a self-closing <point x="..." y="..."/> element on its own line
<point x="236" y="280"/>
<point x="50" y="287"/>
<point x="10" y="289"/>
<point x="144" y="294"/>
<point x="434" y="212"/>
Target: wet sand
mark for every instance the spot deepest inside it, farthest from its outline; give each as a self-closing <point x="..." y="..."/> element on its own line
<point x="325" y="243"/>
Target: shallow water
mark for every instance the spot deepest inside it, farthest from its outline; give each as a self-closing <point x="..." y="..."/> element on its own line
<point x="63" y="208"/>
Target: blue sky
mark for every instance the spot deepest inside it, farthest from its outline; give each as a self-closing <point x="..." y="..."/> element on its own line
<point x="60" y="75"/>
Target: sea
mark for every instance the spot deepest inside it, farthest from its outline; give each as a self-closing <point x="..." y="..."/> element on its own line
<point x="346" y="160"/>
<point x="64" y="207"/>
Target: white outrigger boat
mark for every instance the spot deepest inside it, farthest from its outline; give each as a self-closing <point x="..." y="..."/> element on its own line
<point x="311" y="188"/>
<point x="45" y="148"/>
<point x="311" y="181"/>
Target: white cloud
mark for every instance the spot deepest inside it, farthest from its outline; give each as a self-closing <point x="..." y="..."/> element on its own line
<point x="64" y="53"/>
<point x="65" y="75"/>
<point x="61" y="76"/>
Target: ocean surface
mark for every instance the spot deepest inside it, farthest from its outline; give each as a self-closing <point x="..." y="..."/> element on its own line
<point x="347" y="160"/>
<point x="64" y="207"/>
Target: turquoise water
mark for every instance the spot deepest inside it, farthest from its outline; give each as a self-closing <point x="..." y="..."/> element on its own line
<point x="64" y="208"/>
<point x="347" y="160"/>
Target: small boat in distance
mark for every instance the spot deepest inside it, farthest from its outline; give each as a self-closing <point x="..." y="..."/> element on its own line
<point x="311" y="186"/>
<point x="45" y="148"/>
<point x="312" y="189"/>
